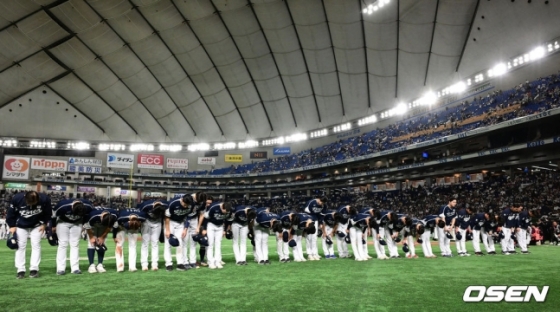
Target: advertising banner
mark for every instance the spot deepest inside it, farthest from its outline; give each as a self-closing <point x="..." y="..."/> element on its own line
<point x="150" y="161"/>
<point x="235" y="158"/>
<point x="258" y="155"/>
<point x="206" y="160"/>
<point x="86" y="189"/>
<point x="56" y="187"/>
<point x="177" y="163"/>
<point x="85" y="161"/>
<point x="49" y="164"/>
<point x="115" y="160"/>
<point x="84" y="169"/>
<point x="16" y="168"/>
<point x="281" y="151"/>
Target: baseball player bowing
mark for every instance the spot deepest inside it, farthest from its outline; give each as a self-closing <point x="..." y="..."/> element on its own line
<point x="240" y="218"/>
<point x="306" y="226"/>
<point x="27" y="217"/>
<point x="370" y="211"/>
<point x="330" y="223"/>
<point x="448" y="214"/>
<point x="174" y="224"/>
<point x="462" y="225"/>
<point x="67" y="222"/>
<point x="263" y="224"/>
<point x="289" y="222"/>
<point x="316" y="209"/>
<point x="384" y="219"/>
<point x="346" y="212"/>
<point x="216" y="215"/>
<point x="151" y="230"/>
<point x="198" y="203"/>
<point x="100" y="222"/>
<point x="415" y="230"/>
<point x="129" y="223"/>
<point x="358" y="225"/>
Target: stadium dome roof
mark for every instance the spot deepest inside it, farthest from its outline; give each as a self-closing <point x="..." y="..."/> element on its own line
<point x="202" y="70"/>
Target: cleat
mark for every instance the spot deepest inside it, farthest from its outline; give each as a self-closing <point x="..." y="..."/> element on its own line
<point x="181" y="267"/>
<point x="33" y="274"/>
<point x="92" y="268"/>
<point x="261" y="262"/>
<point x="60" y="272"/>
<point x="100" y="268"/>
<point x="169" y="268"/>
<point x="144" y="269"/>
<point x="20" y="275"/>
<point x="212" y="267"/>
<point x="75" y="272"/>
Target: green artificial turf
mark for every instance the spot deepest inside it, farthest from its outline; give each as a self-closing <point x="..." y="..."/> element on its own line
<point x="325" y="285"/>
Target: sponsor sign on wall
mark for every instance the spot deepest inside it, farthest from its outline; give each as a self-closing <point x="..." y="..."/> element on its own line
<point x="206" y="160"/>
<point x="177" y="163"/>
<point x="85" y="161"/>
<point x="281" y="150"/>
<point x="16" y="168"/>
<point x="49" y="164"/>
<point x="115" y="160"/>
<point x="234" y="158"/>
<point x="56" y="187"/>
<point x="84" y="169"/>
<point x="86" y="189"/>
<point x="150" y="161"/>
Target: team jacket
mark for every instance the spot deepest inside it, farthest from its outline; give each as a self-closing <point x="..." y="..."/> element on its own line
<point x="26" y="217"/>
<point x="463" y="219"/>
<point x="264" y="218"/>
<point x="176" y="212"/>
<point x="412" y="229"/>
<point x="509" y="218"/>
<point x="477" y="222"/>
<point x="147" y="207"/>
<point x="214" y="214"/>
<point x="328" y="218"/>
<point x="448" y="214"/>
<point x="239" y="215"/>
<point x="397" y="226"/>
<point x="524" y="220"/>
<point x="285" y="219"/>
<point x="63" y="211"/>
<point x="124" y="217"/>
<point x="344" y="214"/>
<point x="303" y="218"/>
<point x="430" y="222"/>
<point x="94" y="217"/>
<point x="315" y="210"/>
<point x="360" y="220"/>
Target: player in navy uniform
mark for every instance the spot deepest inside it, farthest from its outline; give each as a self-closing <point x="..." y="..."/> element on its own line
<point x="99" y="224"/>
<point x="198" y="203"/>
<point x="67" y="223"/>
<point x="151" y="230"/>
<point x="462" y="226"/>
<point x="316" y="208"/>
<point x="129" y="224"/>
<point x="330" y="222"/>
<point x="358" y="225"/>
<point x="239" y="225"/>
<point x="523" y="224"/>
<point x="216" y="215"/>
<point x="448" y="214"/>
<point x="346" y="212"/>
<point x="28" y="216"/>
<point x="510" y="218"/>
<point x="384" y="220"/>
<point x="290" y="221"/>
<point x="174" y="223"/>
<point x="488" y="231"/>
<point x="263" y="224"/>
<point x="395" y="229"/>
<point x="306" y="226"/>
<point x="477" y="224"/>
<point x="430" y="224"/>
<point x="415" y="230"/>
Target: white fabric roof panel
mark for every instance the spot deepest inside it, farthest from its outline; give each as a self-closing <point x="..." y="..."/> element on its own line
<point x="243" y="63"/>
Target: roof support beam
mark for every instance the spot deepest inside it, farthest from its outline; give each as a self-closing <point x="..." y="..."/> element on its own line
<point x="398" y="38"/>
<point x="52" y="5"/>
<point x="335" y="62"/>
<point x="431" y="44"/>
<point x="468" y="35"/>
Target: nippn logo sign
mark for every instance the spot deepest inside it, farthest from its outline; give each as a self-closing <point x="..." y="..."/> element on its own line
<point x="16" y="168"/>
<point x="49" y="164"/>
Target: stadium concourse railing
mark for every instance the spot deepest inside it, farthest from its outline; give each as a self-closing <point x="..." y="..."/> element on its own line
<point x="453" y="159"/>
<point x="428" y="143"/>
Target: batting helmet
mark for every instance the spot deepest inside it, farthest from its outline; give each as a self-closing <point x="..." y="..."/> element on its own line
<point x="285" y="237"/>
<point x="100" y="247"/>
<point x="405" y="247"/>
<point x="292" y="243"/>
<point x="319" y="232"/>
<point x="12" y="242"/>
<point x="398" y="239"/>
<point x="448" y="235"/>
<point x="328" y="240"/>
<point x="382" y="242"/>
<point x="469" y="236"/>
<point x="347" y="239"/>
<point x="340" y="234"/>
<point x="203" y="241"/>
<point x="419" y="241"/>
<point x="458" y="236"/>
<point x="229" y="234"/>
<point x="173" y="241"/>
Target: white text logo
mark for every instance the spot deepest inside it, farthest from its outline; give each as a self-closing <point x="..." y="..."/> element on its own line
<point x="504" y="293"/>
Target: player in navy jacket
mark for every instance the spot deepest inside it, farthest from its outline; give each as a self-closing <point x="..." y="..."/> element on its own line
<point x="216" y="215"/>
<point x="174" y="223"/>
<point x="415" y="231"/>
<point x="490" y="229"/>
<point x="289" y="222"/>
<point x="462" y="226"/>
<point x="330" y="223"/>
<point x="151" y="231"/>
<point x="346" y="212"/>
<point x="316" y="208"/>
<point x="358" y="225"/>
<point x="448" y="214"/>
<point x="306" y="226"/>
<point x="510" y="218"/>
<point x="129" y="222"/>
<point x="99" y="223"/>
<point x="384" y="220"/>
<point x="67" y="222"/>
<point x="523" y="224"/>
<point x="430" y="224"/>
<point x="368" y="232"/>
<point x="198" y="202"/>
<point x="394" y="229"/>
<point x="263" y="224"/>
<point x="477" y="222"/>
<point x="28" y="216"/>
<point x="239" y="225"/>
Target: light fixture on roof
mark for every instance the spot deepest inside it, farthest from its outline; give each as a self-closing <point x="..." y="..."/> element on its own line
<point x="170" y="147"/>
<point x="296" y="137"/>
<point x="42" y="144"/>
<point x="141" y="147"/>
<point x="224" y="146"/>
<point x="78" y="145"/>
<point x="497" y="70"/>
<point x="198" y="147"/>
<point x="537" y="53"/>
<point x="248" y="144"/>
<point x="401" y="109"/>
<point x="111" y="147"/>
<point x="8" y="142"/>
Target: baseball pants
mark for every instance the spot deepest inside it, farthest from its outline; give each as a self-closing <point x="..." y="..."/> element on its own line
<point x="488" y="241"/>
<point x="298" y="250"/>
<point x="190" y="246"/>
<point x="522" y="239"/>
<point x="261" y="242"/>
<point x="379" y="249"/>
<point x="391" y="245"/>
<point x="426" y="244"/>
<point x="507" y="241"/>
<point x="68" y="234"/>
<point x="461" y="243"/>
<point x="410" y="242"/>
<point x="282" y="247"/>
<point x="311" y="243"/>
<point x="340" y="243"/>
<point x="214" y="249"/>
<point x="35" y="236"/>
<point x="240" y="241"/>
<point x="119" y="254"/>
<point x="150" y="235"/>
<point x="476" y="240"/>
<point x="356" y="241"/>
<point x="444" y="242"/>
<point x="175" y="228"/>
<point x="328" y="250"/>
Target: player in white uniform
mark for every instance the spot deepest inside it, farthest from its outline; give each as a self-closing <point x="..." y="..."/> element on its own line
<point x="151" y="231"/>
<point x="129" y="221"/>
<point x="2" y="228"/>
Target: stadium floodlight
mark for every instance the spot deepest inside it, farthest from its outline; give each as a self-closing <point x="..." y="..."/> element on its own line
<point x="537" y="53"/>
<point x="248" y="144"/>
<point x="111" y="147"/>
<point x="459" y="87"/>
<point x="78" y="145"/>
<point x="8" y="142"/>
<point x="224" y="146"/>
<point x="429" y="98"/>
<point x="499" y="69"/>
<point x="170" y="147"/>
<point x="296" y="137"/>
<point x="141" y="147"/>
<point x="400" y="109"/>
<point x="365" y="10"/>
<point x="42" y="144"/>
<point x="198" y="147"/>
<point x="318" y="133"/>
